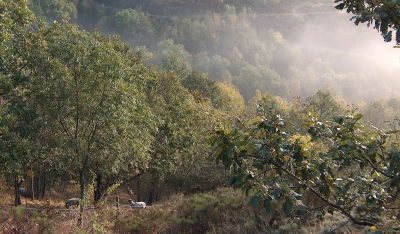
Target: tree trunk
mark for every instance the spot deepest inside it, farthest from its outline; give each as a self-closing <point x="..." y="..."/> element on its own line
<point x="82" y="186"/>
<point x="37" y="180"/>
<point x="40" y="180"/>
<point x="138" y="189"/>
<point x="152" y="195"/>
<point x="17" y="185"/>
<point x="43" y="187"/>
<point x="32" y="188"/>
<point x="100" y="189"/>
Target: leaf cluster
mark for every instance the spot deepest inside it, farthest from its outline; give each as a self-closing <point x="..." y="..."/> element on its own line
<point x="383" y="15"/>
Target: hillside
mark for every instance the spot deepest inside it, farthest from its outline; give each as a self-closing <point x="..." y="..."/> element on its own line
<point x="290" y="39"/>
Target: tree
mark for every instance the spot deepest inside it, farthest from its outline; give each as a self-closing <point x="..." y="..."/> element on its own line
<point x="203" y="86"/>
<point x="172" y="57"/>
<point x="229" y="99"/>
<point x="383" y="113"/>
<point x="355" y="173"/>
<point x="55" y="9"/>
<point x="261" y="78"/>
<point x="133" y="24"/>
<point x="175" y="64"/>
<point x="73" y="96"/>
<point x="178" y="139"/>
<point x="323" y="105"/>
<point x="383" y="15"/>
<point x="19" y="120"/>
<point x="216" y="66"/>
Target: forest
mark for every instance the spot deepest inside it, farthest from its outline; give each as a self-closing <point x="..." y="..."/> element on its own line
<point x="223" y="116"/>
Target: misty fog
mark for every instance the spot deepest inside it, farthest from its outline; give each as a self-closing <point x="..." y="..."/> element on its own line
<point x="353" y="57"/>
<point x="352" y="49"/>
<point x="284" y="48"/>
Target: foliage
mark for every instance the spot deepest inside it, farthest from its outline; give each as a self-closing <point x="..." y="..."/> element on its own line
<point x="383" y="113"/>
<point x="18" y="140"/>
<point x="170" y="57"/>
<point x="356" y="175"/>
<point x="323" y="105"/>
<point x="133" y="24"/>
<point x="178" y="141"/>
<point x="78" y="100"/>
<point x="229" y="99"/>
<point x="383" y="15"/>
<point x="260" y="78"/>
<point x="55" y="9"/>
<point x="202" y="86"/>
<point x="23" y="220"/>
<point x="221" y="211"/>
<point x="216" y="67"/>
<point x="91" y="92"/>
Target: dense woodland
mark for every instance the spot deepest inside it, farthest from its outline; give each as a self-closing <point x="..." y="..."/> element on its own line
<point x="188" y="98"/>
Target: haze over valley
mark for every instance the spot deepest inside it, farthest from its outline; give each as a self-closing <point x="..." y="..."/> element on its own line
<point x="309" y="44"/>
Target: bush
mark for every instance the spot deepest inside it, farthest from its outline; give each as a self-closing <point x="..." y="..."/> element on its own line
<point x="222" y="211"/>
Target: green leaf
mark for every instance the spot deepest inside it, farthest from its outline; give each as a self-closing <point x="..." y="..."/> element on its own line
<point x="324" y="190"/>
<point x="330" y="210"/>
<point x="229" y="152"/>
<point x="388" y="36"/>
<point x="247" y="190"/>
<point x="340" y="203"/>
<point x="311" y="130"/>
<point x="277" y="192"/>
<point x="350" y="8"/>
<point x="394" y="183"/>
<point x="255" y="200"/>
<point x="230" y="181"/>
<point x="287" y="206"/>
<point x="347" y="161"/>
<point x="238" y="182"/>
<point x="358" y="117"/>
<point x="268" y="206"/>
<point x="366" y="18"/>
<point x="340" y="6"/>
<point x="346" y="187"/>
<point x="340" y="120"/>
<point x="266" y="152"/>
<point x="258" y="166"/>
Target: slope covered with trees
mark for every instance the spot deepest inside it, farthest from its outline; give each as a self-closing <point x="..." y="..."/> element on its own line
<point x="222" y="37"/>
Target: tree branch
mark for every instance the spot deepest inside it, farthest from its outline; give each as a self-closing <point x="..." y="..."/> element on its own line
<point x="377" y="169"/>
<point x="65" y="127"/>
<point x="340" y="209"/>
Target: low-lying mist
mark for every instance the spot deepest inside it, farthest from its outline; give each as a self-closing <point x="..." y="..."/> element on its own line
<point x="284" y="48"/>
<point x="351" y="49"/>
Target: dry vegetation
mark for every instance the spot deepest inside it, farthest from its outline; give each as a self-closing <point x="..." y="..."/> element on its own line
<point x="220" y="211"/>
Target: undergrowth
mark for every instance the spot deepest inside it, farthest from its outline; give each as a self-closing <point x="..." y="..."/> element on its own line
<point x="224" y="211"/>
